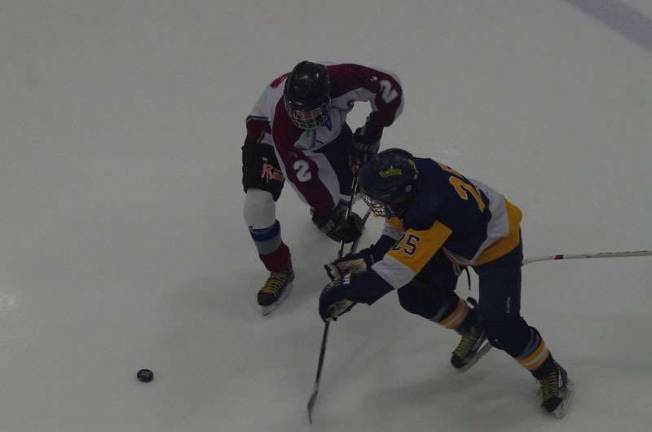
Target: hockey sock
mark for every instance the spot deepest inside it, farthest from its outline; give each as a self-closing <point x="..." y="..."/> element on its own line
<point x="274" y="254"/>
<point x="536" y="357"/>
<point x="455" y="314"/>
<point x="277" y="261"/>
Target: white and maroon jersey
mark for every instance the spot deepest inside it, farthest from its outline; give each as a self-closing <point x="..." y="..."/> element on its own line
<point x="296" y="149"/>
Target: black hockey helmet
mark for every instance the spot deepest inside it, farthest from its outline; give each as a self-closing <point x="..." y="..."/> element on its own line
<point x="388" y="181"/>
<point x="307" y="95"/>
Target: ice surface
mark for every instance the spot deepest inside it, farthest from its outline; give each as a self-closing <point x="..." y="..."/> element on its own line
<point x="122" y="244"/>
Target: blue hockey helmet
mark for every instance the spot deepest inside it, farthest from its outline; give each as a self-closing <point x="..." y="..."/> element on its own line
<point x="388" y="181"/>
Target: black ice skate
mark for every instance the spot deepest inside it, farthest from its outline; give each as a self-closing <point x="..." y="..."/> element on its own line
<point x="471" y="348"/>
<point x="556" y="391"/>
<point x="276" y="289"/>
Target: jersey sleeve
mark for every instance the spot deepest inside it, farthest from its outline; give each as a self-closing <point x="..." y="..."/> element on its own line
<point x="382" y="89"/>
<point x="393" y="228"/>
<point x="392" y="232"/>
<point x="400" y="265"/>
<point x="406" y="259"/>
<point x="258" y="122"/>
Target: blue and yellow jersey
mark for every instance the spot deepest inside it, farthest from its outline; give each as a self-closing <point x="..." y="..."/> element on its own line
<point x="469" y="221"/>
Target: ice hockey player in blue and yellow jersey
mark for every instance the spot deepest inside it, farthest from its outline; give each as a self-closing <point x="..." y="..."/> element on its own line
<point x="437" y="222"/>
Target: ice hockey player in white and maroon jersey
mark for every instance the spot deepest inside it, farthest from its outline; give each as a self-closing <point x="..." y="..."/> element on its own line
<point x="297" y="131"/>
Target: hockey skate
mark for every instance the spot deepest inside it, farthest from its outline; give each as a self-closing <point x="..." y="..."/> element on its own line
<point x="556" y="391"/>
<point x="472" y="347"/>
<point x="275" y="290"/>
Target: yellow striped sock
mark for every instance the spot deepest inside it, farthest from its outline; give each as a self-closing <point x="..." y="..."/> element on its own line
<point x="534" y="359"/>
<point x="455" y="319"/>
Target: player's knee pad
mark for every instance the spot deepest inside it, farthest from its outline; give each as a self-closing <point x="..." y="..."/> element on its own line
<point x="509" y="335"/>
<point x="259" y="209"/>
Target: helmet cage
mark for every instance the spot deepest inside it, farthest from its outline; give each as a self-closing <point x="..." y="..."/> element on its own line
<point x="308" y="119"/>
<point x="377" y="207"/>
<point x="388" y="182"/>
<point x="391" y="205"/>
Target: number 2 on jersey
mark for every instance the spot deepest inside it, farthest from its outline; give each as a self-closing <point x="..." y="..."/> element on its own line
<point x="387" y="92"/>
<point x="302" y="170"/>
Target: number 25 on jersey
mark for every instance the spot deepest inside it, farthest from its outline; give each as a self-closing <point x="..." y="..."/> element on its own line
<point x="462" y="187"/>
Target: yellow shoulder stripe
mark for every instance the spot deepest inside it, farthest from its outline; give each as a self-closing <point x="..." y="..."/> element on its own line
<point x="395" y="222"/>
<point x="416" y="248"/>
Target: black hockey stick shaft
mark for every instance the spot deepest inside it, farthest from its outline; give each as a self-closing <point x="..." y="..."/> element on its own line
<point x="349" y="207"/>
<point x="320" y="365"/>
<point x="324" y="338"/>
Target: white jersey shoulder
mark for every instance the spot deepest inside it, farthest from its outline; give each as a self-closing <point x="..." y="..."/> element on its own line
<point x="265" y="107"/>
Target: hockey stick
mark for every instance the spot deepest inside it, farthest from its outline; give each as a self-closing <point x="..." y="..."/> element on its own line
<point x="354" y="246"/>
<point x="324" y="338"/>
<point x="320" y="365"/>
<point x="559" y="257"/>
<point x="349" y="207"/>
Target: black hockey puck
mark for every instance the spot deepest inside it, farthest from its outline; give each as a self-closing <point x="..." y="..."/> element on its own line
<point x="145" y="375"/>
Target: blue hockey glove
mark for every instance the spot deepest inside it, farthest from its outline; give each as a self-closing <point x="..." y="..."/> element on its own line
<point x="360" y="261"/>
<point x="351" y="263"/>
<point x="334" y="300"/>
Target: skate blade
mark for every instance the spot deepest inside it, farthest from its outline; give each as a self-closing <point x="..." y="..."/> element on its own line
<point x="484" y="349"/>
<point x="266" y="310"/>
<point x="564" y="406"/>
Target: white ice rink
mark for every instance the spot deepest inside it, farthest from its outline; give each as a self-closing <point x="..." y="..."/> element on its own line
<point x="122" y="244"/>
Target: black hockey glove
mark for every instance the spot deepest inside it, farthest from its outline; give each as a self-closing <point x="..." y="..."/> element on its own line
<point x="351" y="263"/>
<point x="333" y="300"/>
<point x="336" y="226"/>
<point x="366" y="142"/>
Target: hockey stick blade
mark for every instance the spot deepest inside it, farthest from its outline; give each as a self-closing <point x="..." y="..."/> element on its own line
<point x="311" y="403"/>
<point x="320" y="365"/>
